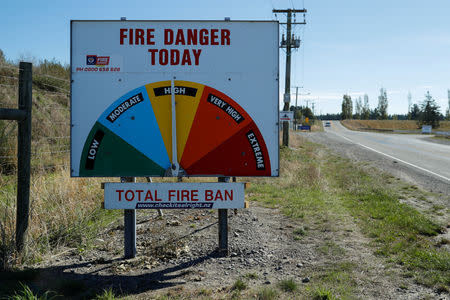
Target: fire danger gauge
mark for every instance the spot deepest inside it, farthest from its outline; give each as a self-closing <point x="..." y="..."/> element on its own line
<point x="174" y="98"/>
<point x="214" y="135"/>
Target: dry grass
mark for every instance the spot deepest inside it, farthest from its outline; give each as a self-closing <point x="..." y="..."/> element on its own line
<point x="63" y="211"/>
<point x="388" y="125"/>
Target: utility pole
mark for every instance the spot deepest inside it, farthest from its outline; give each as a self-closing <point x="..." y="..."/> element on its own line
<point x="296" y="93"/>
<point x="289" y="43"/>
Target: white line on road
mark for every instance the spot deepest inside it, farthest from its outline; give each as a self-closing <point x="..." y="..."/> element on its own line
<point x="392" y="157"/>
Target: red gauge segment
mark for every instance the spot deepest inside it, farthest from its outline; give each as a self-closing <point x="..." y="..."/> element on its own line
<point x="218" y="118"/>
<point x="243" y="154"/>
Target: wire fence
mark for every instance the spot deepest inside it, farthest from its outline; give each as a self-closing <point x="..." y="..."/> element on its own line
<point x="53" y="77"/>
<point x="10" y="67"/>
<point x="51" y="145"/>
<point x="9" y="77"/>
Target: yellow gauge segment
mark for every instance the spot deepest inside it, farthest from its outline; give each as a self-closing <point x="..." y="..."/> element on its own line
<point x="187" y="98"/>
<point x="161" y="99"/>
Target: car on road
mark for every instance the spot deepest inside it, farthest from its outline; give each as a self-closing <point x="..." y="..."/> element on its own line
<point x="327" y="124"/>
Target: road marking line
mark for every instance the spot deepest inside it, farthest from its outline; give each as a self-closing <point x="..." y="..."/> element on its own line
<point x="390" y="156"/>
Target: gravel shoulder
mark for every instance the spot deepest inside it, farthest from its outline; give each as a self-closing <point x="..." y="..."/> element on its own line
<point x="176" y="256"/>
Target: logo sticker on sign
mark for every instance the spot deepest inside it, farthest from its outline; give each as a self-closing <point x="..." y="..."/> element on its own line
<point x="91" y="60"/>
<point x="102" y="60"/>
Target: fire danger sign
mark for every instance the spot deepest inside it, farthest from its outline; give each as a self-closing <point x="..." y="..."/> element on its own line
<point x="174" y="98"/>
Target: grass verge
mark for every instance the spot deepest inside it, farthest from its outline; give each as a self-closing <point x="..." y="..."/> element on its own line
<point x="64" y="212"/>
<point x="322" y="189"/>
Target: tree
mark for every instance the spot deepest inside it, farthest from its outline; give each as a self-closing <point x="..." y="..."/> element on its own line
<point x="382" y="105"/>
<point x="447" y="115"/>
<point x="2" y="57"/>
<point x="365" y="108"/>
<point x="409" y="105"/>
<point x="301" y="112"/>
<point x="347" y="107"/>
<point x="358" y="108"/>
<point x="415" y="112"/>
<point x="374" y="114"/>
<point x="429" y="112"/>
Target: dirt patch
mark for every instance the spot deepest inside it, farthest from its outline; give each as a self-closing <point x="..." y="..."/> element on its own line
<point x="176" y="255"/>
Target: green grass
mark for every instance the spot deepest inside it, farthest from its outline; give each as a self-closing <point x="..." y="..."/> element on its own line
<point x="267" y="293"/>
<point x="25" y="293"/>
<point x="322" y="190"/>
<point x="323" y="294"/>
<point x="107" y="294"/>
<point x="398" y="231"/>
<point x="239" y="285"/>
<point x="252" y="275"/>
<point x="288" y="285"/>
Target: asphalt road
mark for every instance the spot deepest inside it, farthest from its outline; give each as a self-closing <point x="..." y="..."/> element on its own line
<point x="415" y="158"/>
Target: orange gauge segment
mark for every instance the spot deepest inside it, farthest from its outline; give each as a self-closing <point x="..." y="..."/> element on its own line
<point x="217" y="119"/>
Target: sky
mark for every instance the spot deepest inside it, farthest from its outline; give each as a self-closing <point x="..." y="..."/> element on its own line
<point x="350" y="47"/>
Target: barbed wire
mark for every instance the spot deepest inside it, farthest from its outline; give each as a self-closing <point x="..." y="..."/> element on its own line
<point x="58" y="122"/>
<point x="58" y="137"/>
<point x="9" y="156"/>
<point x="10" y="77"/>
<point x="49" y="85"/>
<point x="54" y="107"/>
<point x="54" y="86"/>
<point x="9" y="67"/>
<point x="49" y="152"/>
<point x="37" y="154"/>
<point x="50" y="76"/>
<point x="58" y="93"/>
<point x="54" y="166"/>
<point x="4" y="84"/>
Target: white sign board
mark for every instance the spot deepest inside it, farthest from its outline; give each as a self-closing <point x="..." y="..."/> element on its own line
<point x="222" y="75"/>
<point x="286" y="116"/>
<point x="174" y="196"/>
<point x="426" y="128"/>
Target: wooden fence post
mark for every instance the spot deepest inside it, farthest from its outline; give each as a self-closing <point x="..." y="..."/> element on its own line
<point x="223" y="225"/>
<point x="24" y="154"/>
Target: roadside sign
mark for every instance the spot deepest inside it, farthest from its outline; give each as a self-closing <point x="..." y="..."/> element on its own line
<point x="426" y="128"/>
<point x="305" y="127"/>
<point x="286" y="116"/>
<point x="174" y="196"/>
<point x="128" y="75"/>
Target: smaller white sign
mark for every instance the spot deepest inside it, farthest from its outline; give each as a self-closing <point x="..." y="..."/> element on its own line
<point x="426" y="128"/>
<point x="286" y="116"/>
<point x="206" y="195"/>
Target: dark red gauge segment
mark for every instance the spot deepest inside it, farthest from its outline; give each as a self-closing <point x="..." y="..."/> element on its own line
<point x="243" y="154"/>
